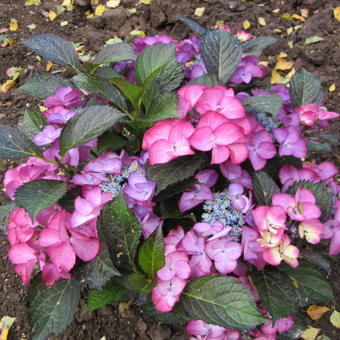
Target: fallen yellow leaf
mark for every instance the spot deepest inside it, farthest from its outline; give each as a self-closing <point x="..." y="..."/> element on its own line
<point x="304" y="12"/>
<point x="275" y="78"/>
<point x="277" y="30"/>
<point x="52" y="15"/>
<point x="199" y="11"/>
<point x="113" y="3"/>
<point x="100" y="10"/>
<point x="276" y="10"/>
<point x="298" y="17"/>
<point x="316" y="312"/>
<point x="290" y="43"/>
<point x="64" y="23"/>
<point x="246" y="24"/>
<point x="290" y="30"/>
<point x="67" y="3"/>
<point x="5" y="324"/>
<point x="332" y="88"/>
<point x="7" y="85"/>
<point x="286" y="16"/>
<point x="283" y="64"/>
<point x="138" y="33"/>
<point x="48" y="66"/>
<point x="145" y="2"/>
<point x="310" y="333"/>
<point x="289" y="75"/>
<point x="261" y="21"/>
<point x="32" y="2"/>
<point x="336" y="12"/>
<point x="335" y="319"/>
<point x="13" y="25"/>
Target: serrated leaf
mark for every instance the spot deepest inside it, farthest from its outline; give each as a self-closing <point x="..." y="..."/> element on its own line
<point x="151" y="256"/>
<point x="277" y="292"/>
<point x="53" y="48"/>
<point x="312" y="284"/>
<point x="264" y="188"/>
<point x="90" y="123"/>
<point x="193" y="25"/>
<point x="130" y="90"/>
<point x="153" y="58"/>
<point x="39" y="194"/>
<point x="32" y="123"/>
<point x="222" y="301"/>
<point x="266" y="103"/>
<point x="313" y="146"/>
<point x="221" y="53"/>
<point x="208" y="80"/>
<point x="139" y="282"/>
<point x="110" y="141"/>
<point x="5" y="210"/>
<point x="121" y="231"/>
<point x="305" y="88"/>
<point x="323" y="197"/>
<point x="326" y="135"/>
<point x="114" y="53"/>
<point x="111" y="293"/>
<point x="51" y="308"/>
<point x="175" y="171"/>
<point x="256" y="46"/>
<point x="99" y="271"/>
<point x="43" y="85"/>
<point x="108" y="73"/>
<point x="101" y="88"/>
<point x="14" y="144"/>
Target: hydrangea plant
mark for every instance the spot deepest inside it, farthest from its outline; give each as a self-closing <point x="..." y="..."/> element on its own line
<point x="160" y="173"/>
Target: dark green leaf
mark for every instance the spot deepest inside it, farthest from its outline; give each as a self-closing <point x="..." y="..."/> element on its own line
<point x="277" y="292"/>
<point x="153" y="58"/>
<point x="130" y="90"/>
<point x="315" y="258"/>
<point x="197" y="28"/>
<point x="98" y="272"/>
<point x="326" y="135"/>
<point x="208" y="80"/>
<point x="311" y="284"/>
<point x="5" y="210"/>
<point x="108" y="73"/>
<point x="305" y="88"/>
<point x="221" y="53"/>
<point x="175" y="171"/>
<point x="101" y="88"/>
<point x="116" y="52"/>
<point x="67" y="201"/>
<point x="323" y="197"/>
<point x="90" y="123"/>
<point x="39" y="194"/>
<point x="140" y="282"/>
<point x="264" y="188"/>
<point x="151" y="256"/>
<point x="51" y="308"/>
<point x="313" y="146"/>
<point x="32" y="123"/>
<point x="266" y="103"/>
<point x="53" y="48"/>
<point x="14" y="144"/>
<point x="256" y="46"/>
<point x="111" y="293"/>
<point x="43" y="85"/>
<point x="221" y="300"/>
<point x="110" y="141"/>
<point x="121" y="231"/>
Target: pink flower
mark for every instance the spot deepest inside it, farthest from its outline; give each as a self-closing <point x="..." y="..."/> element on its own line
<point x="235" y="174"/>
<point x="167" y="140"/>
<point x="50" y="274"/>
<point x="261" y="148"/>
<point x="106" y="163"/>
<point x="281" y="325"/>
<point x="64" y="96"/>
<point x="48" y="135"/>
<point x="205" y="331"/>
<point x="173" y="239"/>
<point x="252" y="250"/>
<point x="225" y="139"/>
<point x="243" y="35"/>
<point x="270" y="219"/>
<point x="187" y="98"/>
<point x="310" y="113"/>
<point x="224" y="253"/>
<point x="195" y="196"/>
<point x="59" y="115"/>
<point x="285" y="252"/>
<point x="291" y="143"/>
<point x="176" y="264"/>
<point x="88" y="208"/>
<point x="167" y="293"/>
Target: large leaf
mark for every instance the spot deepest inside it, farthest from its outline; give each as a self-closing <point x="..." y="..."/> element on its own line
<point x="322" y="194"/>
<point x="305" y="88"/>
<point x="197" y="28"/>
<point x="130" y="90"/>
<point x="32" y="123"/>
<point x="153" y="58"/>
<point x="53" y="48"/>
<point x="312" y="285"/>
<point x="51" y="308"/>
<point x="5" y="210"/>
<point x="266" y="103"/>
<point x="43" y="85"/>
<point x="98" y="272"/>
<point x="264" y="188"/>
<point x="14" y="144"/>
<point x="175" y="171"/>
<point x="151" y="256"/>
<point x="116" y="52"/>
<point x="121" y="231"/>
<point x="277" y="292"/>
<point x="140" y="283"/>
<point x="101" y="88"/>
<point x="221" y="300"/>
<point x="208" y="80"/>
<point x="90" y="123"/>
<point x="111" y="141"/>
<point x="313" y="146"/>
<point x="39" y="194"/>
<point x="256" y="46"/>
<point x="111" y="293"/>
<point x="221" y="53"/>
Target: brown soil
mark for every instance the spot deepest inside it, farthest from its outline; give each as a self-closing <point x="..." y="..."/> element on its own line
<point x="322" y="58"/>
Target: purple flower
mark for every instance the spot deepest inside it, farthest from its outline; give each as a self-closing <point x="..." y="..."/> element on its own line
<point x="247" y="69"/>
<point x="238" y="200"/>
<point x="195" y="196"/>
<point x="176" y="264"/>
<point x="252" y="250"/>
<point x="48" y="135"/>
<point x="187" y="49"/>
<point x="60" y="117"/>
<point x="139" y="189"/>
<point x="64" y="96"/>
<point x="207" y="177"/>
